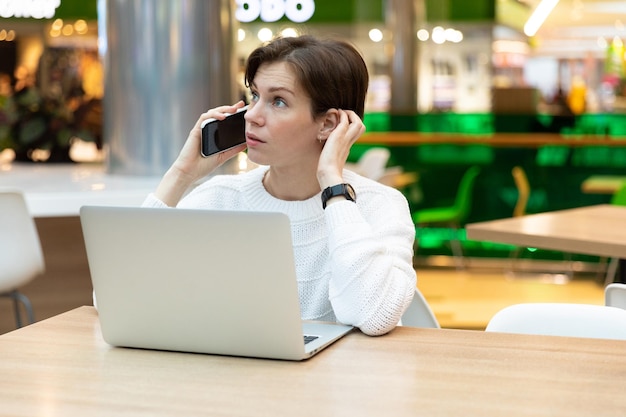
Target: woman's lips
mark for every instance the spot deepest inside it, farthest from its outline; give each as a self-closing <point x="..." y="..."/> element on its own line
<point x="252" y="140"/>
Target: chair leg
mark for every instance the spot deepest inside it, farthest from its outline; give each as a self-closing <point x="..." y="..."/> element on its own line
<point x="603" y="265"/>
<point x="513" y="257"/>
<point x="611" y="270"/>
<point x="457" y="251"/>
<point x="457" y="248"/>
<point x="17" y="298"/>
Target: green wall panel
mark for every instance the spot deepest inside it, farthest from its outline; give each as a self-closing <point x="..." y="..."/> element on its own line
<point x="78" y="9"/>
<point x="347" y="11"/>
<point x="460" y="10"/>
<point x="72" y="9"/>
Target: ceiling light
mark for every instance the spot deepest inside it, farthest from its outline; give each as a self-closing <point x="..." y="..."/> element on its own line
<point x="540" y="14"/>
<point x="376" y="35"/>
<point x="289" y="33"/>
<point x="265" y="34"/>
<point x="453" y="35"/>
<point x="438" y="35"/>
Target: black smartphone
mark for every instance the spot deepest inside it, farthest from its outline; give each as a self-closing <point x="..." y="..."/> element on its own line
<point x="220" y="135"/>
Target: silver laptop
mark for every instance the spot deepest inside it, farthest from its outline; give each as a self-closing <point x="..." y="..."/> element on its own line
<point x="217" y="282"/>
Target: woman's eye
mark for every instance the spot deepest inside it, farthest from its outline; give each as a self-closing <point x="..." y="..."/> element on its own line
<point x="279" y="102"/>
<point x="254" y="96"/>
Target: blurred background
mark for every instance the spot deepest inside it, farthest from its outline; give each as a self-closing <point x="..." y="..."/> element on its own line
<point x="113" y="86"/>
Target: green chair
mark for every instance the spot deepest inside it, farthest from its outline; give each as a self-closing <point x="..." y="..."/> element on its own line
<point x="523" y="190"/>
<point x="619" y="196"/>
<point x="452" y="216"/>
<point x="523" y="195"/>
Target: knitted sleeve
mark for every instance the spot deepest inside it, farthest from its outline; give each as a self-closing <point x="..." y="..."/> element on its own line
<point x="371" y="252"/>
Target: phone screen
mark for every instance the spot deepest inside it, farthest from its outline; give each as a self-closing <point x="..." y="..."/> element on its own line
<point x="220" y="135"/>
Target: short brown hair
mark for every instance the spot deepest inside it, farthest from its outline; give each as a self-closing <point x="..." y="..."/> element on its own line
<point x="332" y="72"/>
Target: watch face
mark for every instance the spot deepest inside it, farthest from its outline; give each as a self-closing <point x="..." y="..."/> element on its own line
<point x="351" y="192"/>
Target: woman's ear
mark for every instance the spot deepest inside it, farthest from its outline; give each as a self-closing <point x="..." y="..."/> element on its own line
<point x="330" y="120"/>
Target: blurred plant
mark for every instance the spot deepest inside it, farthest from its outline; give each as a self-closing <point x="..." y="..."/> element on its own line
<point x="8" y="116"/>
<point x="30" y="120"/>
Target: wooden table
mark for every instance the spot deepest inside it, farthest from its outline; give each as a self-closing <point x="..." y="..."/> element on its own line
<point x="592" y="230"/>
<point x="62" y="367"/>
<point x="602" y="184"/>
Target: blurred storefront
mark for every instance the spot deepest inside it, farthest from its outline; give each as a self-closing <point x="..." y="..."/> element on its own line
<point x="53" y="78"/>
<point x="468" y="55"/>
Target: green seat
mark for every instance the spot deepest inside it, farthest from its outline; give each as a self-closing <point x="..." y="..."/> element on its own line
<point x="454" y="215"/>
<point x="619" y="196"/>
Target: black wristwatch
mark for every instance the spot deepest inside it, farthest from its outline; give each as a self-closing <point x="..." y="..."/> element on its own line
<point x="345" y="190"/>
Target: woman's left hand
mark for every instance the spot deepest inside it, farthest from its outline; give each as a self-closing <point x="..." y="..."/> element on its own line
<point x="337" y="148"/>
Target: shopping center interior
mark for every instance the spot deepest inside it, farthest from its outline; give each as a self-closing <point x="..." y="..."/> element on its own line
<point x="482" y="93"/>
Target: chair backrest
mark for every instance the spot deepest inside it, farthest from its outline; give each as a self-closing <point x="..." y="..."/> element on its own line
<point x="561" y="319"/>
<point x="615" y="295"/>
<point x="463" y="199"/>
<point x="390" y="175"/>
<point x="373" y="162"/>
<point x="419" y="313"/>
<point x="523" y="191"/>
<point x="619" y="196"/>
<point x="21" y="257"/>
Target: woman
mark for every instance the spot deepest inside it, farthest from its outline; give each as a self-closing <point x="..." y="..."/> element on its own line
<point x="353" y="237"/>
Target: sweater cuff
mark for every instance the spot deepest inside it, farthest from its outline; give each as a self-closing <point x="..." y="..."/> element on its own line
<point x="342" y="212"/>
<point x="152" y="202"/>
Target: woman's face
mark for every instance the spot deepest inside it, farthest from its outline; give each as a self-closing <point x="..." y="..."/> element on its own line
<point x="280" y="130"/>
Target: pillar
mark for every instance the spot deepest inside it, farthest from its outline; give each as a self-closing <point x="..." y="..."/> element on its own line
<point x="403" y="16"/>
<point x="165" y="63"/>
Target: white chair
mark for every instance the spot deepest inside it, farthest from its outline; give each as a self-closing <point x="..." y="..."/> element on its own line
<point x="419" y="314"/>
<point x="372" y="163"/>
<point x="615" y="295"/>
<point x="561" y="319"/>
<point x="396" y="177"/>
<point x="389" y="175"/>
<point x="21" y="257"/>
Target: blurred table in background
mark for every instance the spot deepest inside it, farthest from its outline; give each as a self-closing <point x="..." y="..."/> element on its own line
<point x="593" y="230"/>
<point x="56" y="190"/>
<point x="602" y="184"/>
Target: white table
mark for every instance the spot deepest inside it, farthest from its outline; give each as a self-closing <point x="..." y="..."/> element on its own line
<point x="55" y="190"/>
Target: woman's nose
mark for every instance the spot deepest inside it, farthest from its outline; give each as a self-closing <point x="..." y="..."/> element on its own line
<point x="252" y="114"/>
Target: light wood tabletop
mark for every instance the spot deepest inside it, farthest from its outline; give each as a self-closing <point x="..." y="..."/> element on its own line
<point x="62" y="367"/>
<point x="592" y="230"/>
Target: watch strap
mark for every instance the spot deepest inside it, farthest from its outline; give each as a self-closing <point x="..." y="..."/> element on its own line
<point x="344" y="190"/>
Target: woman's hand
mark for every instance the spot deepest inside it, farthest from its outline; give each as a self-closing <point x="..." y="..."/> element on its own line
<point x="337" y="148"/>
<point x="190" y="165"/>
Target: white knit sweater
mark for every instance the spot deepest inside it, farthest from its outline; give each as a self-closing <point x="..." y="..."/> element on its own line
<point x="354" y="262"/>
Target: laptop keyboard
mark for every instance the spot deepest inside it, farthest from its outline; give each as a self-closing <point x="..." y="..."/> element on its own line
<point x="308" y="338"/>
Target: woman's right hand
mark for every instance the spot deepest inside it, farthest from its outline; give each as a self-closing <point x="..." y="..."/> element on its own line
<point x="190" y="165"/>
